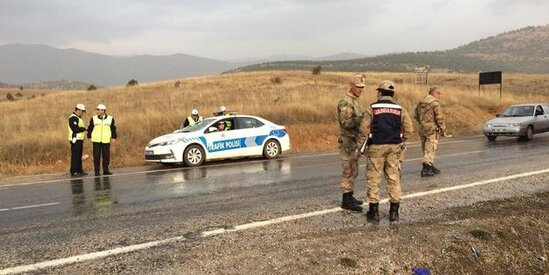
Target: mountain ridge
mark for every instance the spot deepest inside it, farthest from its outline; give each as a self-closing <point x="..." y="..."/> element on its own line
<point x="524" y="50"/>
<point x="33" y="65"/>
<point x="23" y="64"/>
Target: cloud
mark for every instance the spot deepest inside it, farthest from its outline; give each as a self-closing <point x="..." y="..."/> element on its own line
<point x="247" y="28"/>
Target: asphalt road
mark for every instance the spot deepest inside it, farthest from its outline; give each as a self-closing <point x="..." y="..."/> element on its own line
<point x="43" y="221"/>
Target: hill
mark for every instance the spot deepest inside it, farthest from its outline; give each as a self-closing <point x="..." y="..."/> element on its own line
<point x="59" y="84"/>
<point x="525" y="50"/>
<point x="303" y="102"/>
<point x="6" y="85"/>
<point x="22" y="64"/>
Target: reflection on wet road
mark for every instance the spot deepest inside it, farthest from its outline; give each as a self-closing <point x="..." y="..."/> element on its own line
<point x="100" y="195"/>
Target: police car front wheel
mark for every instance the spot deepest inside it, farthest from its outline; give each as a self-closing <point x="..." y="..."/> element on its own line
<point x="271" y="149"/>
<point x="194" y="156"/>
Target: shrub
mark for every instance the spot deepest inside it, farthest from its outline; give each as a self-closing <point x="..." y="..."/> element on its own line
<point x="10" y="97"/>
<point x="276" y="80"/>
<point x="92" y="88"/>
<point x="132" y="82"/>
<point x="317" y="69"/>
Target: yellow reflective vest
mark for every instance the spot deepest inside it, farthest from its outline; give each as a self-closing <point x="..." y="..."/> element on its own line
<point x="101" y="129"/>
<point x="81" y="135"/>
<point x="191" y="120"/>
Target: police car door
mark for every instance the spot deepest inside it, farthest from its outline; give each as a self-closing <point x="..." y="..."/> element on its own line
<point x="222" y="144"/>
<point x="252" y="132"/>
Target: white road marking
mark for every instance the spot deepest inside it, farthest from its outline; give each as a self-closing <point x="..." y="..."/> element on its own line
<point x="87" y="257"/>
<point x="28" y="206"/>
<point x="241" y="227"/>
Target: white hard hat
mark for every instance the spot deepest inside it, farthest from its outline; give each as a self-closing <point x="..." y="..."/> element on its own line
<point x="222" y="109"/>
<point x="101" y="107"/>
<point x="194" y="112"/>
<point x="81" y="106"/>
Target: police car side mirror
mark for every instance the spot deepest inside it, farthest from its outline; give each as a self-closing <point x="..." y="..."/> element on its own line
<point x="498" y="115"/>
<point x="212" y="129"/>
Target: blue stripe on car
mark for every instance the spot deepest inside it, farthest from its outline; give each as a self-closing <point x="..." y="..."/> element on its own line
<point x="236" y="143"/>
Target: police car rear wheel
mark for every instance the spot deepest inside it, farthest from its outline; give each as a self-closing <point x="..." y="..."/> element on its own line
<point x="193" y="156"/>
<point x="271" y="149"/>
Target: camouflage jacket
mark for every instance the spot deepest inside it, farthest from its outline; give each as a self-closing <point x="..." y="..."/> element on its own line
<point x="349" y="114"/>
<point x="429" y="116"/>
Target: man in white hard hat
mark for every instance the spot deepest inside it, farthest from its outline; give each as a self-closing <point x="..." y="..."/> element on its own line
<point x="102" y="132"/>
<point x="222" y="111"/>
<point x="76" y="137"/>
<point x="192" y="119"/>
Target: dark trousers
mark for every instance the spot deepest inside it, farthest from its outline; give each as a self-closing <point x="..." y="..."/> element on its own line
<point x="76" y="156"/>
<point x="101" y="149"/>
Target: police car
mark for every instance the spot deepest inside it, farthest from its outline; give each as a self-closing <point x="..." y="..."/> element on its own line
<point x="219" y="137"/>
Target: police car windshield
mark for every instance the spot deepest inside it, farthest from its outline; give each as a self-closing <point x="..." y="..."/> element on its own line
<point x="197" y="126"/>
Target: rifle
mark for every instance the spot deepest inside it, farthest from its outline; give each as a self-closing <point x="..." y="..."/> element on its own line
<point x="442" y="134"/>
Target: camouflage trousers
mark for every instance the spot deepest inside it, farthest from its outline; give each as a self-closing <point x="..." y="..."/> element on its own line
<point x="383" y="159"/>
<point x="349" y="163"/>
<point x="429" y="147"/>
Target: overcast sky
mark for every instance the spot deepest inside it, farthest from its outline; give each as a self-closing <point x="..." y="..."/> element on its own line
<point x="241" y="29"/>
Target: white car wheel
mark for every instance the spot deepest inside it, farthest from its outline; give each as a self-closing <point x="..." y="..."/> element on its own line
<point x="271" y="149"/>
<point x="194" y="156"/>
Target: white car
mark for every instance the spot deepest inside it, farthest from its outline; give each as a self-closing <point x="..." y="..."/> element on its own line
<point x="244" y="136"/>
<point x="521" y="120"/>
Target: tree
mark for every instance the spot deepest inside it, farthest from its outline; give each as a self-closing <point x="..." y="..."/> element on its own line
<point x="132" y="82"/>
<point x="317" y="69"/>
<point x="21" y="88"/>
<point x="10" y="97"/>
<point x="92" y="88"/>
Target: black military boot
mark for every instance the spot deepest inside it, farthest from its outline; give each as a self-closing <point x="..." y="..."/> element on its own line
<point x="373" y="213"/>
<point x="435" y="170"/>
<point x="393" y="212"/>
<point x="355" y="201"/>
<point x="427" y="171"/>
<point x="347" y="203"/>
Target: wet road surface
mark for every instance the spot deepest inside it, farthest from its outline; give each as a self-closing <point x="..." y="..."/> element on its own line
<point x="41" y="221"/>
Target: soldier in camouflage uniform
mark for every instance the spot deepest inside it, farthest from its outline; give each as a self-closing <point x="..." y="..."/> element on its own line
<point x="428" y="113"/>
<point x="350" y="115"/>
<point x="386" y="126"/>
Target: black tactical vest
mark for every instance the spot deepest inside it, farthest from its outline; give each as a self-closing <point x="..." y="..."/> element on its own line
<point x="386" y="123"/>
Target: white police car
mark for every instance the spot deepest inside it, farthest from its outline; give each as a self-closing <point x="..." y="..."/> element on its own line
<point x="243" y="136"/>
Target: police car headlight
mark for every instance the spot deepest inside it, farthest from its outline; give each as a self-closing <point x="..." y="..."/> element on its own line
<point x="488" y="126"/>
<point x="170" y="142"/>
<point x="513" y="124"/>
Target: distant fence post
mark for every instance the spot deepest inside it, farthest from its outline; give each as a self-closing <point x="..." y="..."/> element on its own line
<point x="490" y="78"/>
<point x="422" y="74"/>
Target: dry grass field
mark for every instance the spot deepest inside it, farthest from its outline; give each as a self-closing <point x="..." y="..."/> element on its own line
<point x="33" y="131"/>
